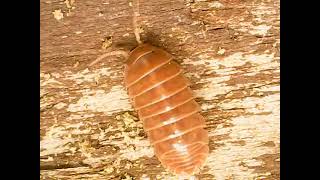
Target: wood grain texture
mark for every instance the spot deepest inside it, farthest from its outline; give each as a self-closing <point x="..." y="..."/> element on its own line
<point x="229" y="49"/>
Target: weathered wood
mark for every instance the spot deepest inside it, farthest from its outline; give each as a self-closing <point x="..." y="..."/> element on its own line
<point x="228" y="48"/>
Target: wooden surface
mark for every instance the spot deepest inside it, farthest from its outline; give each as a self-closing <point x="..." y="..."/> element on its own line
<point x="228" y="48"/>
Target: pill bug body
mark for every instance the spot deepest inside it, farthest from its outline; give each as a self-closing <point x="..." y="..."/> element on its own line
<point x="161" y="95"/>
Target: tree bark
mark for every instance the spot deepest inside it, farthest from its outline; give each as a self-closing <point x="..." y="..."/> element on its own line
<point x="229" y="49"/>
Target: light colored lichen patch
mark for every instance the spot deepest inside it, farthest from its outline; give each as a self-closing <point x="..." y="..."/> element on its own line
<point x="123" y="136"/>
<point x="169" y="176"/>
<point x="262" y="19"/>
<point x="78" y="116"/>
<point x="230" y="64"/>
<point x="261" y="30"/>
<point x="262" y="14"/>
<point x="115" y="100"/>
<point x="232" y="61"/>
<point x="132" y="146"/>
<point x="57" y="14"/>
<point x="215" y="4"/>
<point x="60" y="105"/>
<point x="49" y="80"/>
<point x="235" y="160"/>
<point x="221" y="51"/>
<point x="54" y="146"/>
<point x="87" y="75"/>
<point x="82" y="172"/>
<point x="55" y="142"/>
<point x="251" y="103"/>
<point x="129" y="120"/>
<point x="180" y="34"/>
<point x="140" y="149"/>
<point x="207" y="106"/>
<point x="145" y="177"/>
<point x="107" y="42"/>
<point x="213" y="87"/>
<point x="58" y="139"/>
<point x="217" y="84"/>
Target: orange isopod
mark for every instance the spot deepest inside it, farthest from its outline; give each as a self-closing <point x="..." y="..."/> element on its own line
<point x="165" y="103"/>
<point x="161" y="95"/>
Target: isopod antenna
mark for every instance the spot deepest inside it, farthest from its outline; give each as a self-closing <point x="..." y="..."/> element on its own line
<point x="136" y="14"/>
<point x="136" y="28"/>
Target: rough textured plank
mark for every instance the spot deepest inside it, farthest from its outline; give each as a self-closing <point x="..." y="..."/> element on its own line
<point x="228" y="48"/>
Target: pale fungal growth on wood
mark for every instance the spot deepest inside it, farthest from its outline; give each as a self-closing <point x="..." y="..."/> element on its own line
<point x="221" y="51"/>
<point x="69" y="3"/>
<point x="78" y="32"/>
<point x="57" y="14"/>
<point x="107" y="42"/>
